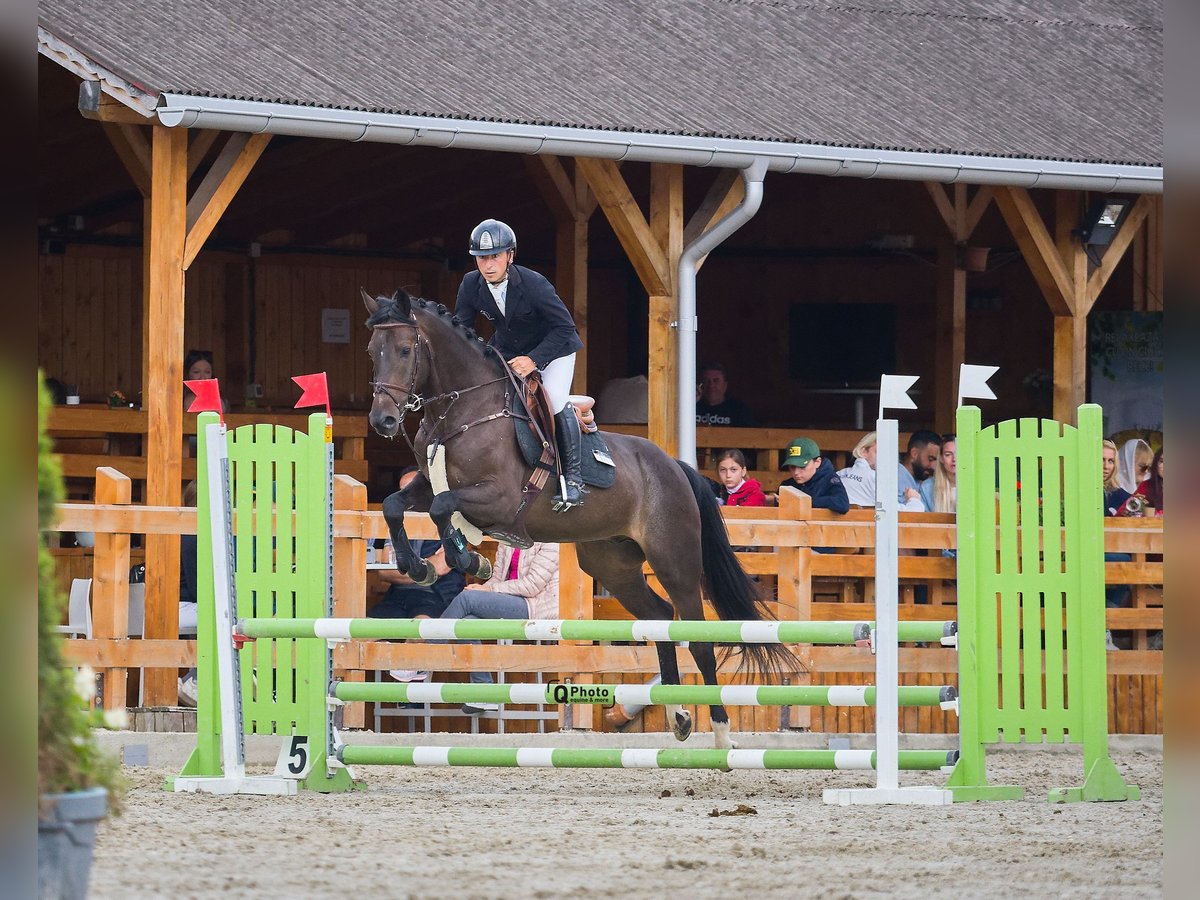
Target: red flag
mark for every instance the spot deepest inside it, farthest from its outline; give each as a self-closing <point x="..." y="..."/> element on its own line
<point x="208" y="397"/>
<point x="316" y="391"/>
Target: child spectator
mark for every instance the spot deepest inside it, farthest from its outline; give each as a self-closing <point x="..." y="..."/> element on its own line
<point x="815" y="476"/>
<point x="940" y="493"/>
<point x="737" y="489"/>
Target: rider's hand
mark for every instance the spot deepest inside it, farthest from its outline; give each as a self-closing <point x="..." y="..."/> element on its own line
<point x="523" y="365"/>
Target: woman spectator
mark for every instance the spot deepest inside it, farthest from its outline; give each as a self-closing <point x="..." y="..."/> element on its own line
<point x="1114" y="495"/>
<point x="523" y="585"/>
<point x="940" y="493"/>
<point x="859" y="478"/>
<point x="737" y="489"/>
<point x="1150" y="492"/>
<point x="1133" y="464"/>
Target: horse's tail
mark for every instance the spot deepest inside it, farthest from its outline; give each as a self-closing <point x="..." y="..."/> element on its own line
<point x="733" y="593"/>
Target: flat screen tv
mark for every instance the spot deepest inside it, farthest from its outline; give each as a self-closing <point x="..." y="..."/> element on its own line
<point x="851" y="343"/>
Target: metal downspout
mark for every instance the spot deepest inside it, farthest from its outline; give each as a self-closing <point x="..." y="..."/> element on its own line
<point x="752" y="179"/>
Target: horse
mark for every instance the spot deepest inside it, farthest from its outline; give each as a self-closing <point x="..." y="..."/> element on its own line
<point x="658" y="510"/>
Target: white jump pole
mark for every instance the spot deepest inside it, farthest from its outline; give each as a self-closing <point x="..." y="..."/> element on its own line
<point x="893" y="393"/>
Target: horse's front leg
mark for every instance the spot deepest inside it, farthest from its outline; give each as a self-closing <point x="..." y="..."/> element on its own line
<point x="416" y="495"/>
<point x="459" y="555"/>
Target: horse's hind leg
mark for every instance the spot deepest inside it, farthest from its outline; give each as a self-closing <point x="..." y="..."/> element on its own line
<point x="682" y="583"/>
<point x="617" y="565"/>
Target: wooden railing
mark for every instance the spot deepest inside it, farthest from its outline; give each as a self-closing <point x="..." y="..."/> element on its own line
<point x="779" y="550"/>
<point x="768" y="446"/>
<point x="86" y="437"/>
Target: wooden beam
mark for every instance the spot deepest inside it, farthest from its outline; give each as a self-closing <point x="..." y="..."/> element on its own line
<point x="220" y="185"/>
<point x="1068" y="206"/>
<point x="554" y="184"/>
<point x="725" y="193"/>
<point x="110" y="583"/>
<point x="1070" y="366"/>
<point x="1116" y="249"/>
<point x="630" y="226"/>
<point x="98" y="106"/>
<point x="1037" y="247"/>
<point x="978" y="206"/>
<point x="198" y="148"/>
<point x="666" y="223"/>
<point x="133" y="149"/>
<point x="942" y="202"/>
<point x="163" y="393"/>
<point x="951" y="333"/>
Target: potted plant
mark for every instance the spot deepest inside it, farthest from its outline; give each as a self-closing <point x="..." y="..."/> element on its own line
<point x="77" y="782"/>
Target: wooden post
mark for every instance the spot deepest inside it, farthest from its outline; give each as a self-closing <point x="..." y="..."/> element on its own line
<point x="666" y="223"/>
<point x="162" y="394"/>
<point x="795" y="588"/>
<point x="575" y="595"/>
<point x="110" y="583"/>
<point x="350" y="581"/>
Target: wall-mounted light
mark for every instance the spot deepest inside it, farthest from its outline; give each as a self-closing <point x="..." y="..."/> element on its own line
<point x="1103" y="218"/>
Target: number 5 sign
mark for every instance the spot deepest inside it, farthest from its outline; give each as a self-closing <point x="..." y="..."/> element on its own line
<point x="294" y="759"/>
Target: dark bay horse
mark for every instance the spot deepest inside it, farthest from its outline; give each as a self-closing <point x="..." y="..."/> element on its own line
<point x="658" y="510"/>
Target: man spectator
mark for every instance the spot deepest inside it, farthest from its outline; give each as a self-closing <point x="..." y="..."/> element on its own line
<point x="715" y="406"/>
<point x="406" y="600"/>
<point x="815" y="476"/>
<point x="924" y="448"/>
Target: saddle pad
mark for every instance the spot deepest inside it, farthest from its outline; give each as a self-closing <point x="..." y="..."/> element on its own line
<point x="598" y="468"/>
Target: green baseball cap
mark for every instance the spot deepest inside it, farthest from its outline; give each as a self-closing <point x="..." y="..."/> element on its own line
<point x="801" y="451"/>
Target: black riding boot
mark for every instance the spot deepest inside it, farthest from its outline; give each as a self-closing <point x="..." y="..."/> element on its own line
<point x="566" y="426"/>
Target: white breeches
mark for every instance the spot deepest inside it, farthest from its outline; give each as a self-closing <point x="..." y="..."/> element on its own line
<point x="556" y="379"/>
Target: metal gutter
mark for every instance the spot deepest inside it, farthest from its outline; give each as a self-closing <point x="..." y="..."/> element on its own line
<point x="688" y="322"/>
<point x="427" y="131"/>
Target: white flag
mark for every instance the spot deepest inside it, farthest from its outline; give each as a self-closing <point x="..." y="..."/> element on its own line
<point x="973" y="382"/>
<point x="893" y="392"/>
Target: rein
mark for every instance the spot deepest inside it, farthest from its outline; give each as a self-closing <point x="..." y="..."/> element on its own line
<point x="415" y="402"/>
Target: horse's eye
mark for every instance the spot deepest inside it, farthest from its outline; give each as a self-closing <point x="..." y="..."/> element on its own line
<point x="404" y="351"/>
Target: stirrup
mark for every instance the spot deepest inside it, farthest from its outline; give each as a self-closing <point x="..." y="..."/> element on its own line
<point x="561" y="503"/>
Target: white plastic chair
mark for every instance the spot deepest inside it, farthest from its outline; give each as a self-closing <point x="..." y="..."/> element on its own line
<point x="79" y="610"/>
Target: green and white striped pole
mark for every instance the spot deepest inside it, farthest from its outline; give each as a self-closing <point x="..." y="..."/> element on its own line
<point x="570" y="758"/>
<point x="575" y="630"/>
<point x="635" y="694"/>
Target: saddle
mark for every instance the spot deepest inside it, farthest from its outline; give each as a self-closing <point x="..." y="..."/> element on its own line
<point x="536" y="438"/>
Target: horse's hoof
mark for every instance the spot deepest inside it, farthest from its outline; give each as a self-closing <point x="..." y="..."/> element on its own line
<point x="721" y="738"/>
<point x="682" y="726"/>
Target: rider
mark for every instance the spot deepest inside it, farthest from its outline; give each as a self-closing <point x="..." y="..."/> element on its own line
<point x="534" y="332"/>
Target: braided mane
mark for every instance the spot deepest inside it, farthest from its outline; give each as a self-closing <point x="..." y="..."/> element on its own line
<point x="389" y="311"/>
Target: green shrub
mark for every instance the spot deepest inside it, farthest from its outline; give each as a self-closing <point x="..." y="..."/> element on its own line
<point x="68" y="756"/>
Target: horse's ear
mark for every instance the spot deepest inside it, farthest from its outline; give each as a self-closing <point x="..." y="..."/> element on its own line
<point x="403" y="302"/>
<point x="371" y="304"/>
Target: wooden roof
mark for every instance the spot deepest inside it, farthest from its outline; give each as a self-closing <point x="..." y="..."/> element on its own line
<point x="1074" y="80"/>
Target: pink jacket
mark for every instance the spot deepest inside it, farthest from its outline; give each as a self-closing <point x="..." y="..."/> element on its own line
<point x="536" y="581"/>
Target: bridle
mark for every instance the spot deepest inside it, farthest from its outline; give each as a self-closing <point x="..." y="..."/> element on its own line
<point x="415" y="402"/>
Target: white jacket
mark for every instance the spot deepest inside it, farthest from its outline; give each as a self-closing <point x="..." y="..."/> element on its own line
<point x="859" y="482"/>
<point x="536" y="581"/>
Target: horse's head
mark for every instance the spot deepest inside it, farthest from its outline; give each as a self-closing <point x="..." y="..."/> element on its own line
<point x="395" y="351"/>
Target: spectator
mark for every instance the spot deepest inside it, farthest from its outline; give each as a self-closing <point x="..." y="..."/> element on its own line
<point x="1133" y="464"/>
<point x="1118" y="595"/>
<point x="1114" y="495"/>
<point x="859" y="478"/>
<point x="198" y="366"/>
<point x="940" y="493"/>
<point x="738" y="490"/>
<point x="523" y="585"/>
<point x="1149" y="492"/>
<point x="924" y="448"/>
<point x="188" y="596"/>
<point x="406" y="600"/>
<point x="815" y="476"/>
<point x="715" y="406"/>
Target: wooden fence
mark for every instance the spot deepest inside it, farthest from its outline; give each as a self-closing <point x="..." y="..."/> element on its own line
<point x="779" y="549"/>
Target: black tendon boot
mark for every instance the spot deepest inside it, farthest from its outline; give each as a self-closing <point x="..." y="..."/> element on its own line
<point x="570" y="492"/>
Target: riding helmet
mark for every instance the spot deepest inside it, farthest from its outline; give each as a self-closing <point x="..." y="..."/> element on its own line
<point x="492" y="236"/>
